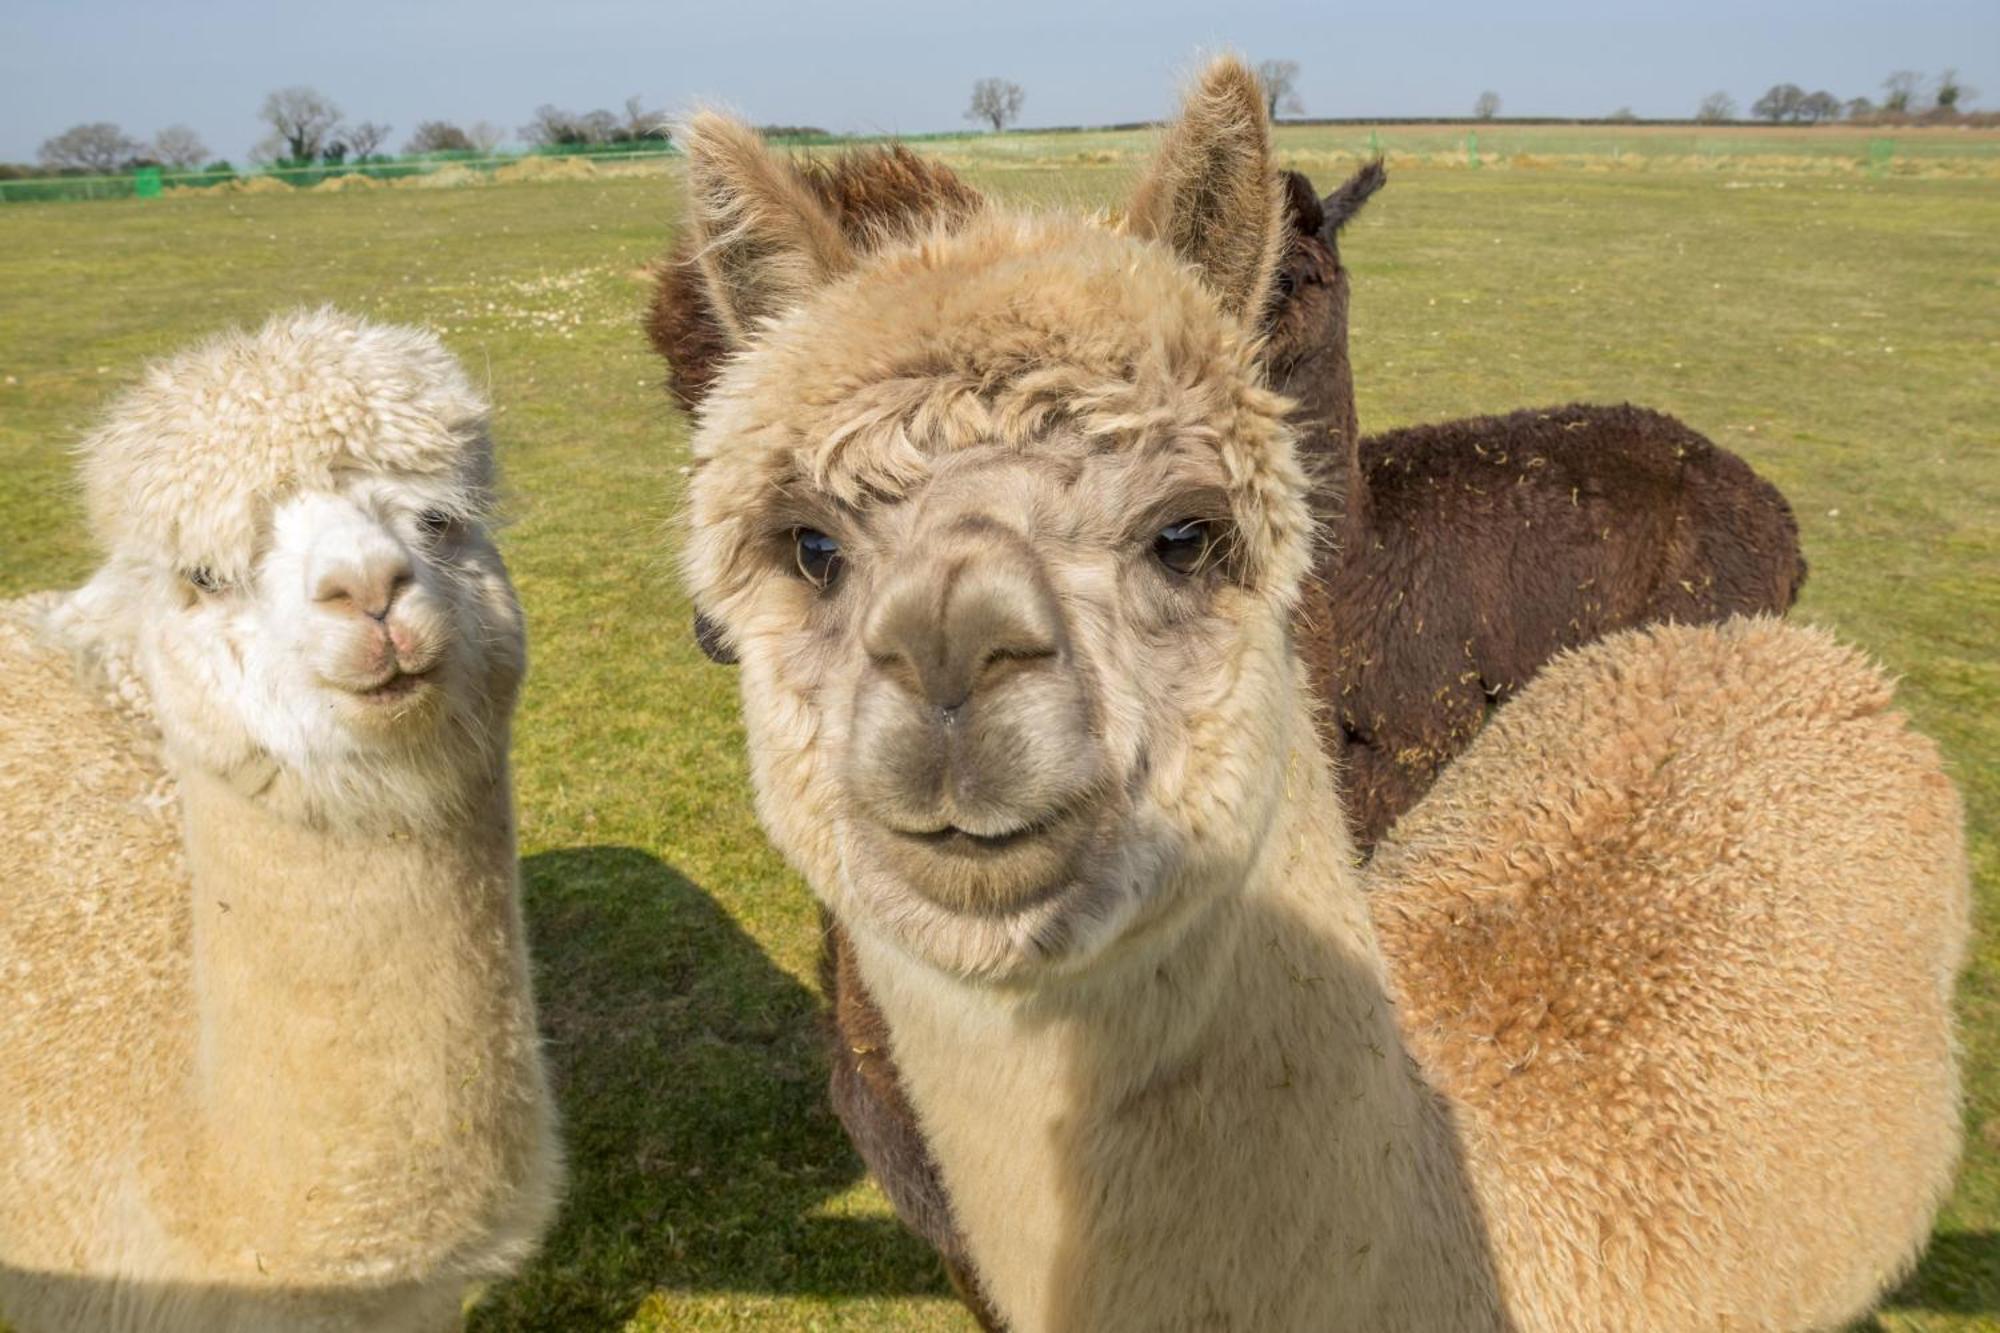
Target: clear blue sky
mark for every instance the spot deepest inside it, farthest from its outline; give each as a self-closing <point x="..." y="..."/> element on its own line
<point x="904" y="66"/>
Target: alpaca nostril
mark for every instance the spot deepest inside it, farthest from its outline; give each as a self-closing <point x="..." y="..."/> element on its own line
<point x="398" y="585"/>
<point x="364" y="590"/>
<point x="902" y="670"/>
<point x="1007" y="656"/>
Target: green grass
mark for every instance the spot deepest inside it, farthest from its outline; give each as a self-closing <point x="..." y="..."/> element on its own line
<point x="1819" y="150"/>
<point x="1840" y="332"/>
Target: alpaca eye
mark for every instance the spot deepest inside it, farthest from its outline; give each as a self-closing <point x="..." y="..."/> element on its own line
<point x="817" y="555"/>
<point x="1185" y="547"/>
<point x="202" y="579"/>
<point x="434" y="522"/>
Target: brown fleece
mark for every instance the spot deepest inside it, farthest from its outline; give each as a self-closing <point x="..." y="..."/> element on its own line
<point x="869" y="191"/>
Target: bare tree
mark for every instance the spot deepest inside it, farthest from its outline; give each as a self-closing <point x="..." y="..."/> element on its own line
<point x="1901" y="88"/>
<point x="1624" y="115"/>
<point x="1280" y="79"/>
<point x="997" y="102"/>
<point x="1781" y="102"/>
<point x="1715" y="108"/>
<point x="99" y="146"/>
<point x="486" y="136"/>
<point x="1859" y="108"/>
<point x="1819" y="106"/>
<point x="367" y="138"/>
<point x="1950" y="92"/>
<point x="305" y="119"/>
<point x="641" y="123"/>
<point x="438" y="136"/>
<point x="1487" y="106"/>
<point x="552" y="127"/>
<point x="178" y="147"/>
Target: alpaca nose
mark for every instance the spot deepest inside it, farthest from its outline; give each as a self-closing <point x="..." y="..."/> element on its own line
<point x="964" y="621"/>
<point x="365" y="586"/>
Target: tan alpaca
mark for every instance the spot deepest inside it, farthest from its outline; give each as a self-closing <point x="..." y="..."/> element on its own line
<point x="268" y="1056"/>
<point x="1645" y="1024"/>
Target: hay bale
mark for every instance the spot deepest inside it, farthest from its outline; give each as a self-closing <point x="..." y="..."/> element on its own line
<point x="352" y="181"/>
<point x="546" y="169"/>
<point x="448" y="178"/>
<point x="643" y="166"/>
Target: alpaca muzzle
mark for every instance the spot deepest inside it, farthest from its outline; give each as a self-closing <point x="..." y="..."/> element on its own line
<point x="973" y="758"/>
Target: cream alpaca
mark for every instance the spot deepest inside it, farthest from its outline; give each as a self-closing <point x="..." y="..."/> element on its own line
<point x="1646" y="1023"/>
<point x="268" y="1056"/>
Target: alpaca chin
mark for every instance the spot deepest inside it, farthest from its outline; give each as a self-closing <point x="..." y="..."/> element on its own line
<point x="1057" y="922"/>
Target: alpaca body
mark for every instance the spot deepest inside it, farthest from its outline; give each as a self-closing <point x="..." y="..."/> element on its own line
<point x="1460" y="557"/>
<point x="245" y="1040"/>
<point x="268" y="1056"/>
<point x="1010" y="539"/>
<point x="1625" y="517"/>
<point x="1467" y="553"/>
<point x="1502" y="1127"/>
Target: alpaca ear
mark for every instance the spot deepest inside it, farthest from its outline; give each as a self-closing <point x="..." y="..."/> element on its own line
<point x="1340" y="206"/>
<point x="1211" y="194"/>
<point x="762" y="241"/>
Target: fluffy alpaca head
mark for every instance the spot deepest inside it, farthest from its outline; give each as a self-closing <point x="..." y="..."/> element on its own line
<point x="1006" y="531"/>
<point x="299" y="570"/>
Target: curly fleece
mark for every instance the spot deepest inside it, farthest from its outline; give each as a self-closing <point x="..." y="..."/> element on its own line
<point x="189" y="462"/>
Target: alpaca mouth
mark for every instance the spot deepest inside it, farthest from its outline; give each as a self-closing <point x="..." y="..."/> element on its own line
<point x="397" y="686"/>
<point x="956" y="841"/>
<point x="978" y="873"/>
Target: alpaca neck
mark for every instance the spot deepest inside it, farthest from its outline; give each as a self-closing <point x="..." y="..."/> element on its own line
<point x="1321" y="381"/>
<point x="1222" y="1130"/>
<point x="364" y="1029"/>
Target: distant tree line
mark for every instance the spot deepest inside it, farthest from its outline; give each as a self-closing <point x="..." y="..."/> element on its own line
<point x="1787" y="103"/>
<point x="101" y="147"/>
<point x="554" y="127"/>
<point x="304" y="127"/>
<point x="1784" y="103"/>
<point x="1906" y="96"/>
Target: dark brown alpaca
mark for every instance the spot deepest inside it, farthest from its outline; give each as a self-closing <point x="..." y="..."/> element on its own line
<point x="1466" y="554"/>
<point x="1462" y="557"/>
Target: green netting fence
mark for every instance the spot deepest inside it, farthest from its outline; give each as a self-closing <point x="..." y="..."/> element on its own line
<point x="1486" y="143"/>
<point x="153" y="182"/>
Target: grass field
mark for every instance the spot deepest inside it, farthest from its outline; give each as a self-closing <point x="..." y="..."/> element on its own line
<point x="1817" y="150"/>
<point x="1842" y="331"/>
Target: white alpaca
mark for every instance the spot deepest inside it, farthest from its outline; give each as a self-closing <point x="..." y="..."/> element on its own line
<point x="268" y="1056"/>
<point x="1646" y="1021"/>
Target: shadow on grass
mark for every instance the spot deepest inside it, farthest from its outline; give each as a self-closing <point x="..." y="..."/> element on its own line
<point x="692" y="1082"/>
<point x="1960" y="1274"/>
